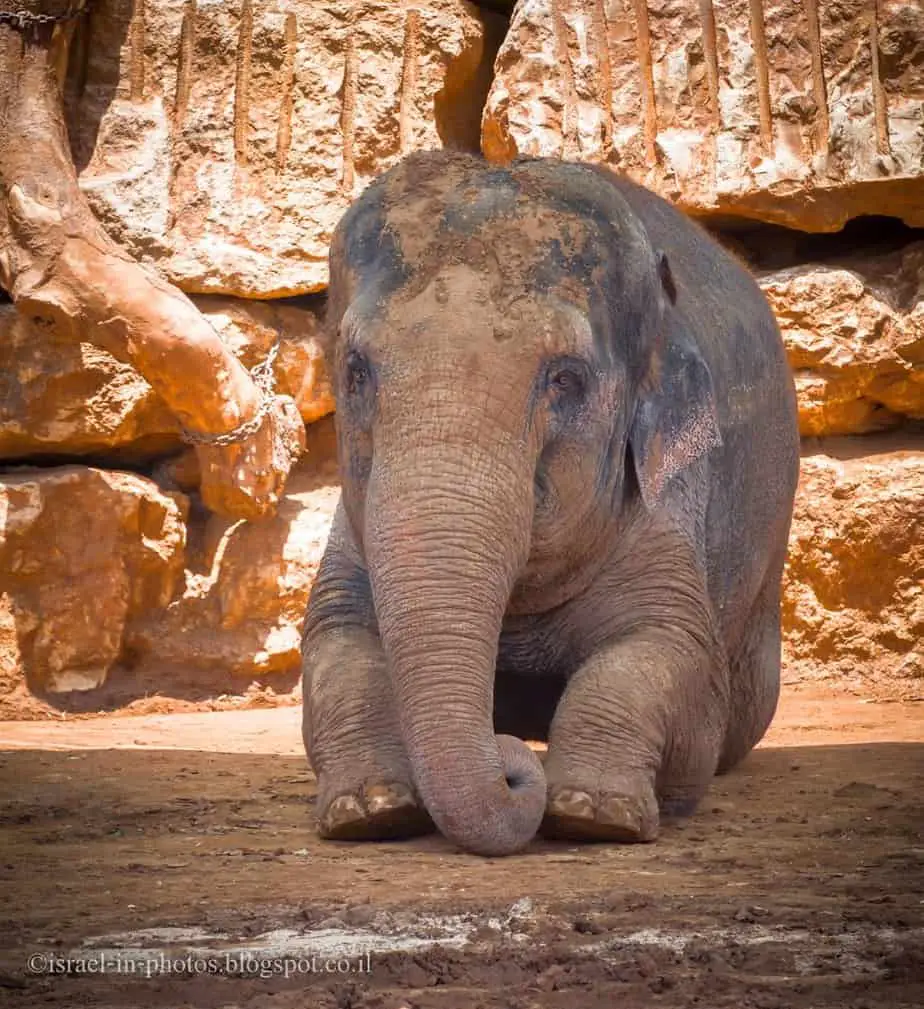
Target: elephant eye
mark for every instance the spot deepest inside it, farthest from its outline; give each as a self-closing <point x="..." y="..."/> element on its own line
<point x="357" y="371"/>
<point x="565" y="383"/>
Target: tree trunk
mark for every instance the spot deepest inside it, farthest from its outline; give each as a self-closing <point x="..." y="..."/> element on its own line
<point x="61" y="269"/>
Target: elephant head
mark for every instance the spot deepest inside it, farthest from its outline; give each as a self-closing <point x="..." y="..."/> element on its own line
<point x="501" y="353"/>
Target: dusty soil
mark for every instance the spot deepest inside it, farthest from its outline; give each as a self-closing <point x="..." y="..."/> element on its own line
<point x="174" y="856"/>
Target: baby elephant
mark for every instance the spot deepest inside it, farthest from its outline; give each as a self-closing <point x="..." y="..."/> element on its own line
<point x="568" y="445"/>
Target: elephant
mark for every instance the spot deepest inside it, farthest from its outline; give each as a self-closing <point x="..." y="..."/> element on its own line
<point x="568" y="444"/>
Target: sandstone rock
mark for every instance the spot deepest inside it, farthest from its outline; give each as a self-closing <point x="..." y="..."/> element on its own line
<point x="248" y="582"/>
<point x="59" y="398"/>
<point x="853" y="606"/>
<point x="803" y="114"/>
<point x="82" y="551"/>
<point x="854" y="331"/>
<point x="222" y="142"/>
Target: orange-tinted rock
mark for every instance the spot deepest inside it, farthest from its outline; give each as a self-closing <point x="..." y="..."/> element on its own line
<point x="251" y="328"/>
<point x="854" y="332"/>
<point x="247" y="588"/>
<point x="805" y="114"/>
<point x="82" y="552"/>
<point x="222" y="142"/>
<point x="853" y="607"/>
<point x="62" y="398"/>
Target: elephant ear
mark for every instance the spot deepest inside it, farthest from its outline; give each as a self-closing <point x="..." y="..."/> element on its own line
<point x="675" y="420"/>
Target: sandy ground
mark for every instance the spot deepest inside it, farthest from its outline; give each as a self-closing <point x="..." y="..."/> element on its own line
<point x="171" y="860"/>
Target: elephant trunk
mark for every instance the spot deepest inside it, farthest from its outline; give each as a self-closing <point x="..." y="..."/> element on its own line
<point x="444" y="543"/>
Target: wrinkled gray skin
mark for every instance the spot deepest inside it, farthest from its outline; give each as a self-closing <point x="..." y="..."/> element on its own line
<point x="568" y="442"/>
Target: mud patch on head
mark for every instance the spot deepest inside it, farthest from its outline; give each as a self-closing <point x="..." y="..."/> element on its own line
<point x="494" y="197"/>
<point x="531" y="231"/>
<point x="518" y="231"/>
<point x="415" y="194"/>
<point x="464" y="307"/>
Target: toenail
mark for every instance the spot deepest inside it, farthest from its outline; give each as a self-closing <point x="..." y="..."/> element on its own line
<point x="572" y="803"/>
<point x="383" y="798"/>
<point x="345" y="809"/>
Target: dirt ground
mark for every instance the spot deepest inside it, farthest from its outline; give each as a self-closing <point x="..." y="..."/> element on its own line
<point x="171" y="861"/>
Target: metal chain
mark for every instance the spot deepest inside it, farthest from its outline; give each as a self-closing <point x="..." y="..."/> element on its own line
<point x="263" y="378"/>
<point x="23" y="19"/>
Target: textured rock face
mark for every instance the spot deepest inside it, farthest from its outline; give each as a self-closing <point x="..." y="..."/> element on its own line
<point x="854" y="332"/>
<point x="853" y="605"/>
<point x="222" y="141"/>
<point x="60" y="398"/>
<point x="247" y="588"/>
<point x="804" y="114"/>
<point x="82" y="552"/>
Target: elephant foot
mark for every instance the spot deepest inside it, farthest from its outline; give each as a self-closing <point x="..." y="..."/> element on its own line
<point x="574" y="815"/>
<point x="375" y="813"/>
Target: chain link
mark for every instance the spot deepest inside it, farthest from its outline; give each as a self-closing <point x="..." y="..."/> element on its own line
<point x="264" y="380"/>
<point x="23" y="19"/>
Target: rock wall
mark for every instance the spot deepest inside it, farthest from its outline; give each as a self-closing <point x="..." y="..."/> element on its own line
<point x="83" y="552"/>
<point x="58" y="398"/>
<point x="805" y="114"/>
<point x="220" y="143"/>
<point x="854" y="331"/>
<point x="223" y="141"/>
<point x="854" y="587"/>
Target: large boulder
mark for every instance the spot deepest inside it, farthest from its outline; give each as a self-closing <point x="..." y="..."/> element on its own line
<point x="83" y="551"/>
<point x="63" y="398"/>
<point x="241" y="612"/>
<point x="806" y="115"/>
<point x="854" y="332"/>
<point x="222" y="142"/>
<point x="59" y="398"/>
<point x="853" y="603"/>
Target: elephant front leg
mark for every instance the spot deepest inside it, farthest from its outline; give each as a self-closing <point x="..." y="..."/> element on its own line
<point x="365" y="786"/>
<point x="638" y="733"/>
